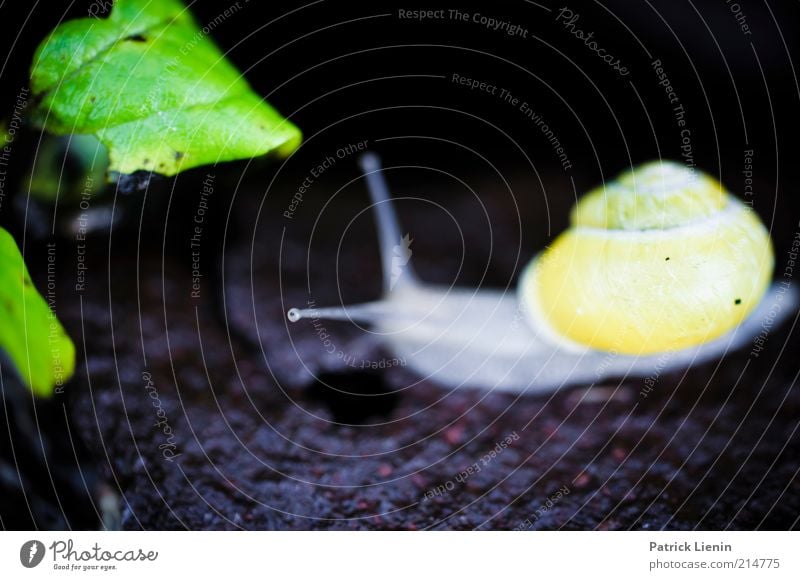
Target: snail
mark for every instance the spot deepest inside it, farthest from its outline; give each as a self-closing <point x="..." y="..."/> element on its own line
<point x="660" y="269"/>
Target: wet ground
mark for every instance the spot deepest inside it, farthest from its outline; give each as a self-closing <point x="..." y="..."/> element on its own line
<point x="206" y="411"/>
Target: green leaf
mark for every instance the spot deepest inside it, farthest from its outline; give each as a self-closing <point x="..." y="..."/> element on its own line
<point x="30" y="333"/>
<point x="154" y="89"/>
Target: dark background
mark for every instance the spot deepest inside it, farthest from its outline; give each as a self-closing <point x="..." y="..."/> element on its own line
<point x="345" y="72"/>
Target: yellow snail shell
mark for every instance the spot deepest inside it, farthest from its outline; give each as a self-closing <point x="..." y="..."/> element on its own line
<point x="661" y="259"/>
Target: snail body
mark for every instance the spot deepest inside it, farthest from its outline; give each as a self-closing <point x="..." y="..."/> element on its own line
<point x="659" y="270"/>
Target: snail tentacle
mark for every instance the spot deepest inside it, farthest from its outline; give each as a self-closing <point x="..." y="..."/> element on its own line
<point x="390" y="238"/>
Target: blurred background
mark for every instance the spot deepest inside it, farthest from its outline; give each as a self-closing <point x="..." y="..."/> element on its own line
<point x="345" y="74"/>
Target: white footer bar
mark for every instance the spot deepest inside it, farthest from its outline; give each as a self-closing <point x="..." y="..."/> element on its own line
<point x="388" y="555"/>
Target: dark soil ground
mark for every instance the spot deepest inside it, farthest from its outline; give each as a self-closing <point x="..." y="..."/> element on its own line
<point x="199" y="424"/>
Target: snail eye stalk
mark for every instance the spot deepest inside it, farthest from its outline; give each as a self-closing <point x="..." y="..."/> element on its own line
<point x="388" y="238"/>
